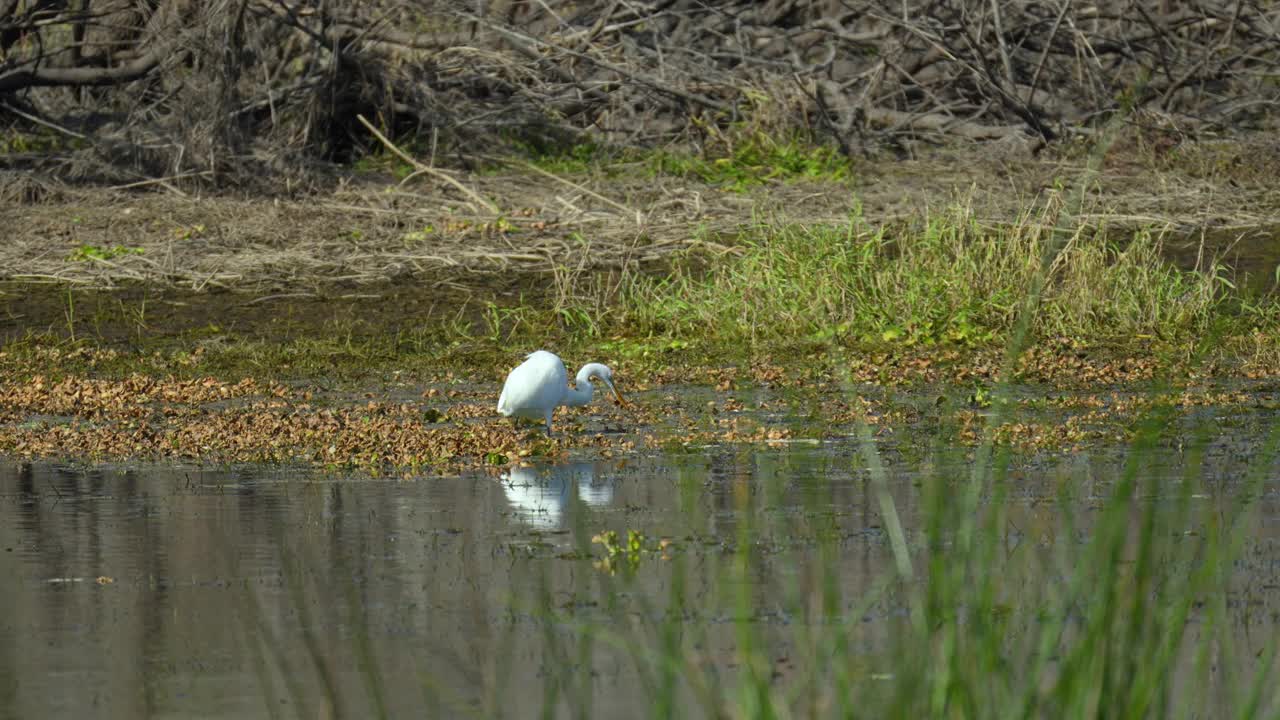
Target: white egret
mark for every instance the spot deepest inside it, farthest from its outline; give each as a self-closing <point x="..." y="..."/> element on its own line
<point x="540" y="384"/>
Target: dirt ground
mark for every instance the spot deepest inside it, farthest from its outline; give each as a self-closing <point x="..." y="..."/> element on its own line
<point x="371" y="229"/>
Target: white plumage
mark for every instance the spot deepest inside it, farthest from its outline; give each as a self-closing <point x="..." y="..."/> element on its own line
<point x="536" y="387"/>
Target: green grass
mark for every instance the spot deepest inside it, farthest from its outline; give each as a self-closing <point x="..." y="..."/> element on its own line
<point x="754" y="159"/>
<point x="738" y="161"/>
<point x="580" y="159"/>
<point x="944" y="280"/>
<point x="40" y="140"/>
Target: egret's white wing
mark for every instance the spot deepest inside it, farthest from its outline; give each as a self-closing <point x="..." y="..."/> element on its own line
<point x="535" y="386"/>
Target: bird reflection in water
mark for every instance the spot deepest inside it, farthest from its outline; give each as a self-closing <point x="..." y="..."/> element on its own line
<point x="542" y="495"/>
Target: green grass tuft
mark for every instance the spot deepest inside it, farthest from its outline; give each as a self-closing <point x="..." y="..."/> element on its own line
<point x="945" y="280"/>
<point x="756" y="159"/>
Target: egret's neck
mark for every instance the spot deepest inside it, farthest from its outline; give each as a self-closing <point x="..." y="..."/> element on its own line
<point x="581" y="394"/>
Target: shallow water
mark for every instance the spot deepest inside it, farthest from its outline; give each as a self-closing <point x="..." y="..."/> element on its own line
<point x="262" y="592"/>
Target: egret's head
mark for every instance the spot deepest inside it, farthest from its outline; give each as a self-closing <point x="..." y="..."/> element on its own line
<point x="596" y="370"/>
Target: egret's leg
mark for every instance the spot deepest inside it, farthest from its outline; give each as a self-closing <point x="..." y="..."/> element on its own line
<point x="549" y="413"/>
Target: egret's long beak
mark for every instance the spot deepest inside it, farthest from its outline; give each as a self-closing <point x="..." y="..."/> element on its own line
<point x="616" y="394"/>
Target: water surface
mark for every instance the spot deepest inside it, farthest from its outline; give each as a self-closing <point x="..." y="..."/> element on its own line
<point x="170" y="591"/>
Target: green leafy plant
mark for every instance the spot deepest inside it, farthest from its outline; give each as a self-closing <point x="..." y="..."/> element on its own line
<point x="96" y="252"/>
<point x="756" y="159"/>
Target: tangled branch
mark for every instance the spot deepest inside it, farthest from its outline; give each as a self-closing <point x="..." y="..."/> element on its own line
<point x="205" y="90"/>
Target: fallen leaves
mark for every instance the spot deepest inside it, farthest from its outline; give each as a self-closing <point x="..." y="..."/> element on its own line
<point x="62" y="413"/>
<point x="130" y="397"/>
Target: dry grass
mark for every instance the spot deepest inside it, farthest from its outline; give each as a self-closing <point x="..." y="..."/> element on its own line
<point x="372" y="230"/>
<point x="352" y="237"/>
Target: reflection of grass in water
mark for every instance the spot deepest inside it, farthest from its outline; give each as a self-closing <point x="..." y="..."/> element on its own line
<point x="270" y="654"/>
<point x="982" y="617"/>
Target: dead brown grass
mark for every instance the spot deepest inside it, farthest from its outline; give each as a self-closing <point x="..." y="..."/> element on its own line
<point x="375" y="230"/>
<point x="358" y="235"/>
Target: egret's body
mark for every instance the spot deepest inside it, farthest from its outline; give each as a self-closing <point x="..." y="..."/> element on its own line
<point x="540" y="384"/>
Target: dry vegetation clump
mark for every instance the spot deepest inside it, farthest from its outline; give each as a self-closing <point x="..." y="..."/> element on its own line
<point x="180" y="93"/>
<point x="143" y="418"/>
<point x="354" y="239"/>
<point x="129" y="397"/>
